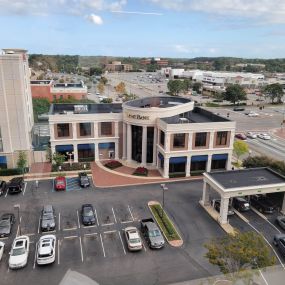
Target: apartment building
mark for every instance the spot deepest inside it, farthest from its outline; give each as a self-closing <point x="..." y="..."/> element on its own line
<point x="117" y="66"/>
<point x="166" y="133"/>
<point x="16" y="110"/>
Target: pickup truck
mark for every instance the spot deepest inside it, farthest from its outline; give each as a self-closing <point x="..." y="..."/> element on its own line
<point x="152" y="233"/>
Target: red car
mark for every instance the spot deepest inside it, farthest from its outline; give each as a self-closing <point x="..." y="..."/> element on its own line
<point x="240" y="136"/>
<point x="60" y="183"/>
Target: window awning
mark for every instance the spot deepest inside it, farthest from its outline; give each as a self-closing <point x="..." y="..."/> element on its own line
<point x="64" y="148"/>
<point x="3" y="159"/>
<point x="199" y="158"/>
<point x="176" y="160"/>
<point x="106" y="145"/>
<point x="89" y="146"/>
<point x="223" y="156"/>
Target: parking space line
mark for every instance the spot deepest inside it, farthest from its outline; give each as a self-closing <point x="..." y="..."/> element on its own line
<point x="70" y="229"/>
<point x="29" y="235"/>
<point x="131" y="212"/>
<point x="102" y="245"/>
<point x="110" y="224"/>
<point x="263" y="277"/>
<point x="39" y="225"/>
<point x="58" y="221"/>
<point x="96" y="216"/>
<point x="19" y="226"/>
<point x="81" y="250"/>
<point x="122" y="242"/>
<point x="87" y="227"/>
<point x="6" y="193"/>
<point x="70" y="237"/>
<point x="36" y="251"/>
<point x="144" y="247"/>
<point x="109" y="232"/>
<point x="49" y="232"/>
<point x="78" y="219"/>
<point x="58" y="245"/>
<point x="3" y="238"/>
<point x="90" y="234"/>
<point x="114" y="215"/>
<point x="25" y="188"/>
<point x="127" y="222"/>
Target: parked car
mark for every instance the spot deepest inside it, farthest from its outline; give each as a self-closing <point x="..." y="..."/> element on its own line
<point x="238" y="108"/>
<point x="152" y="233"/>
<point x="264" y="136"/>
<point x="253" y="114"/>
<point x="87" y="215"/>
<point x="2" y="187"/>
<point x="133" y="239"/>
<point x="251" y="135"/>
<point x="6" y="223"/>
<point x="60" y="183"/>
<point x="48" y="218"/>
<point x="262" y="204"/>
<point x="281" y="221"/>
<point x="83" y="179"/>
<point x="19" y="252"/>
<point x="279" y="241"/>
<point x="240" y="204"/>
<point x="216" y="203"/>
<point x="46" y="249"/>
<point x="2" y="246"/>
<point x="15" y="185"/>
<point x="240" y="136"/>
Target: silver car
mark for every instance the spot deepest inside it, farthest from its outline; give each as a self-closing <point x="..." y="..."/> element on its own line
<point x="48" y="218"/>
<point x="133" y="239"/>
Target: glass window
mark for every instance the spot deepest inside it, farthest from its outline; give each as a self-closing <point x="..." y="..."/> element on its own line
<point x="1" y="142"/>
<point x="179" y="140"/>
<point x="200" y="139"/>
<point x="221" y="138"/>
<point x="106" y="129"/>
<point x="63" y="130"/>
<point x="85" y="129"/>
<point x="162" y="138"/>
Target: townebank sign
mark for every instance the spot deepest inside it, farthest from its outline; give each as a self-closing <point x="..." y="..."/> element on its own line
<point x="138" y="117"/>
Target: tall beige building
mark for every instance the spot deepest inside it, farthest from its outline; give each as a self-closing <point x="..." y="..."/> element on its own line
<point x="16" y="110"/>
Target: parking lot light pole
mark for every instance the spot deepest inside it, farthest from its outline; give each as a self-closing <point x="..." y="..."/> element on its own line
<point x="164" y="188"/>
<point x="17" y="206"/>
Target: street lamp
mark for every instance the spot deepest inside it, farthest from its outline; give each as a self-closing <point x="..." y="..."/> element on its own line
<point x="17" y="207"/>
<point x="69" y="157"/>
<point x="164" y="188"/>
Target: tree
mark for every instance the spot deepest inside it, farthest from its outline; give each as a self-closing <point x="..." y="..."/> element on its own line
<point x="22" y="161"/>
<point x="274" y="91"/>
<point x="235" y="93"/>
<point x="101" y="88"/>
<point x="61" y="80"/>
<point x="197" y="87"/>
<point x="240" y="148"/>
<point x="104" y="80"/>
<point x="175" y="87"/>
<point x="40" y="106"/>
<point x="95" y="71"/>
<point x="238" y="253"/>
<point x="58" y="158"/>
<point x="107" y="100"/>
<point x="121" y="88"/>
<point x="187" y="84"/>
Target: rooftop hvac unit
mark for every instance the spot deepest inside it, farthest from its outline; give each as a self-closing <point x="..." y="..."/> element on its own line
<point x="183" y="120"/>
<point x="78" y="109"/>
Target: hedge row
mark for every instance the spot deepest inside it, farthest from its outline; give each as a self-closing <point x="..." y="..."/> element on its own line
<point x="12" y="171"/>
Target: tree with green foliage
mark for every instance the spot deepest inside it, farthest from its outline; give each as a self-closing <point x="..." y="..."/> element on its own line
<point x="22" y="160"/>
<point x="107" y="100"/>
<point x="58" y="159"/>
<point x="95" y="71"/>
<point x="274" y="91"/>
<point x="72" y="100"/>
<point x="240" y="148"/>
<point x="197" y="87"/>
<point x="152" y="68"/>
<point x="240" y="252"/>
<point x="235" y="93"/>
<point x="61" y="80"/>
<point x="100" y="87"/>
<point x="104" y="80"/>
<point x="175" y="87"/>
<point x="121" y="88"/>
<point x="187" y="84"/>
<point x="40" y="106"/>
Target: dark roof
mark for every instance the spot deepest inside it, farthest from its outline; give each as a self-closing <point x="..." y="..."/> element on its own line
<point x="197" y="115"/>
<point x="40" y="82"/>
<point x="88" y="108"/>
<point x="247" y="177"/>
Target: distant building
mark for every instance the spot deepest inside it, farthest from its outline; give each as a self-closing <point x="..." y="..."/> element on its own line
<point x="158" y="61"/>
<point x="52" y="91"/>
<point x="117" y="66"/>
<point x="16" y="110"/>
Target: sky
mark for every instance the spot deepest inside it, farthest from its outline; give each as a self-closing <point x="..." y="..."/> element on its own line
<point x="145" y="28"/>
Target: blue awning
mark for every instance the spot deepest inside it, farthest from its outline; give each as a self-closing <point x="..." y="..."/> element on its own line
<point x="160" y="156"/>
<point x="89" y="146"/>
<point x="3" y="159"/>
<point x="177" y="160"/>
<point x="223" y="156"/>
<point x="107" y="145"/>
<point x="64" y="148"/>
<point x="199" y="158"/>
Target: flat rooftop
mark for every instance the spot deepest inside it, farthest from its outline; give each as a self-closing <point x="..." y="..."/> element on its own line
<point x="84" y="108"/>
<point x="247" y="177"/>
<point x="197" y="115"/>
<point x="41" y="82"/>
<point x="68" y="85"/>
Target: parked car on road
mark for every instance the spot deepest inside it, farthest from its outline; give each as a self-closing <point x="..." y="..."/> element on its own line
<point x="251" y="135"/>
<point x="216" y="203"/>
<point x="279" y="241"/>
<point x="152" y="233"/>
<point x="46" y="249"/>
<point x="19" y="252"/>
<point x="262" y="204"/>
<point x="240" y="136"/>
<point x="264" y="136"/>
<point x="60" y="183"/>
<point x="2" y="246"/>
<point x="6" y="223"/>
<point x="240" y="204"/>
<point x="253" y="114"/>
<point x="2" y="187"/>
<point x="47" y="218"/>
<point x="83" y="179"/>
<point x="87" y="215"/>
<point x="15" y="185"/>
<point x="133" y="239"/>
<point x="280" y="220"/>
<point x="238" y="108"/>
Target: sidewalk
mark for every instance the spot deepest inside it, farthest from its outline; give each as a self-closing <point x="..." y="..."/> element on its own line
<point x="279" y="132"/>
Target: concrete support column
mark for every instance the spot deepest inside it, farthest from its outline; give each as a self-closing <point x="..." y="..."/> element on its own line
<point x="96" y="130"/>
<point x="97" y="156"/>
<point x="124" y="141"/>
<point x="75" y="153"/>
<point x="206" y="194"/>
<point x="154" y="156"/>
<point x="211" y="143"/>
<point x="190" y="139"/>
<point x="116" y="150"/>
<point x="283" y="205"/>
<point x="224" y="210"/>
<point x="232" y="139"/>
<point x="116" y="129"/>
<point x="188" y="166"/>
<point x="166" y="168"/>
<point x="209" y="163"/>
<point x="129" y="142"/>
<point x="51" y="126"/>
<point x="74" y="131"/>
<point x="144" y="145"/>
<point x="167" y="142"/>
<point x="229" y="161"/>
<point x="52" y="150"/>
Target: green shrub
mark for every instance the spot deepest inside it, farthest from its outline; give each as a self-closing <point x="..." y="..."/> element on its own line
<point x="73" y="167"/>
<point x="177" y="174"/>
<point x="12" y="171"/>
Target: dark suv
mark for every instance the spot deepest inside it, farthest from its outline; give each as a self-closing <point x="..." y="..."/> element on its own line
<point x="15" y="185"/>
<point x="240" y="204"/>
<point x="262" y="204"/>
<point x="279" y="241"/>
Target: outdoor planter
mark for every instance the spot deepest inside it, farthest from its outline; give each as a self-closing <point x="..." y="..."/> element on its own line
<point x="113" y="164"/>
<point x="141" y="171"/>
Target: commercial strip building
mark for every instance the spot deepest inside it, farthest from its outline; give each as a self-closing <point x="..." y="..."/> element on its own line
<point x="52" y="91"/>
<point x="157" y="60"/>
<point x="117" y="66"/>
<point x="166" y="133"/>
<point x="16" y="110"/>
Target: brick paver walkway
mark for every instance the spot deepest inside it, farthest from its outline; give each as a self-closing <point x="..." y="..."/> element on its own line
<point x="40" y="167"/>
<point x="280" y="132"/>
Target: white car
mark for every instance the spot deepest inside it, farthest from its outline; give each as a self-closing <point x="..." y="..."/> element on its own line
<point x="46" y="249"/>
<point x="251" y="135"/>
<point x="2" y="245"/>
<point x="253" y="114"/>
<point x="133" y="239"/>
<point x="264" y="136"/>
<point x="19" y="252"/>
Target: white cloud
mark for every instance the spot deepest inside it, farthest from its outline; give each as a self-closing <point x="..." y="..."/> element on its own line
<point x="95" y="19"/>
<point x="272" y="11"/>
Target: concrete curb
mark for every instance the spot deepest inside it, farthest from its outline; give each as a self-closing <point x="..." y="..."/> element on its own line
<point x="241" y="216"/>
<point x="174" y="243"/>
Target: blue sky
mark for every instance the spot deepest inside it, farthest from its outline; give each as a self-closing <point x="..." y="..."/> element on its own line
<point x="145" y="28"/>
